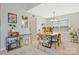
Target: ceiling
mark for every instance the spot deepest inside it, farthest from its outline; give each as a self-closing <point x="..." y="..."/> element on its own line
<point x="25" y="6"/>
<point x="46" y="9"/>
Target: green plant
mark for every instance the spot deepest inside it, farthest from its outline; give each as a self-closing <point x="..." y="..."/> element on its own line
<point x="50" y="29"/>
<point x="73" y="34"/>
<point x="47" y="29"/>
<point x="44" y="29"/>
<point x="20" y="40"/>
<point x="12" y="26"/>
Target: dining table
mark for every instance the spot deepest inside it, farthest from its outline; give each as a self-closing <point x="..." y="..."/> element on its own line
<point x="50" y="35"/>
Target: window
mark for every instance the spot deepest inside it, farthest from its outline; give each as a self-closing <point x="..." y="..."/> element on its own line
<point x="61" y="25"/>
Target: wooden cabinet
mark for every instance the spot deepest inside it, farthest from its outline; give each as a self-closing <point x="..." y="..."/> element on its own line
<point x="12" y="41"/>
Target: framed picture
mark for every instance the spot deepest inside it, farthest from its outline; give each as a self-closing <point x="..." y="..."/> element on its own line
<point x="24" y="22"/>
<point x="12" y="18"/>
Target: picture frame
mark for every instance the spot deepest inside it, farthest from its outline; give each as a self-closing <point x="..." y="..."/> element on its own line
<point x="24" y="21"/>
<point x="12" y="18"/>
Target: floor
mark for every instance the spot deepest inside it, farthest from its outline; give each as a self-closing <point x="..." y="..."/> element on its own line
<point x="67" y="48"/>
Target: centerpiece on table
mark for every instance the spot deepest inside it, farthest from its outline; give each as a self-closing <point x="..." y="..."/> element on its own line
<point x="47" y="29"/>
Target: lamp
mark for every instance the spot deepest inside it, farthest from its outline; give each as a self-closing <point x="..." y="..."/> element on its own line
<point x="54" y="17"/>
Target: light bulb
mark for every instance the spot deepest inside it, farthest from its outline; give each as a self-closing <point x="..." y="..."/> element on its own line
<point x="23" y="23"/>
<point x="54" y="20"/>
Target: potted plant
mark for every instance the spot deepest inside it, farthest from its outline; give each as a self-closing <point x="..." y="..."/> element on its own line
<point x="21" y="41"/>
<point x="72" y="34"/>
<point x="44" y="29"/>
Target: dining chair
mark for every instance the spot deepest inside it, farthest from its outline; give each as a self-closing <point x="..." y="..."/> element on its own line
<point x="43" y="40"/>
<point x="47" y="41"/>
<point x="59" y="39"/>
<point x="56" y="40"/>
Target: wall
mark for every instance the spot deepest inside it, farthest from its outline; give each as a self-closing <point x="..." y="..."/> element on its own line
<point x="0" y="26"/>
<point x="73" y="20"/>
<point x="40" y="21"/>
<point x="10" y="8"/>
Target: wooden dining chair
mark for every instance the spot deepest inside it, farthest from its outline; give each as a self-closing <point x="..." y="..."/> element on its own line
<point x="43" y="40"/>
<point x="47" y="41"/>
<point x="56" y="39"/>
<point x="59" y="39"/>
<point x="40" y="39"/>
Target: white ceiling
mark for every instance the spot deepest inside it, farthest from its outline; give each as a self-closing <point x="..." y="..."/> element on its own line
<point x="46" y="9"/>
<point x="25" y="6"/>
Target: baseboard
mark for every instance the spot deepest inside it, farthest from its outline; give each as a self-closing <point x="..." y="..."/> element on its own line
<point x="2" y="49"/>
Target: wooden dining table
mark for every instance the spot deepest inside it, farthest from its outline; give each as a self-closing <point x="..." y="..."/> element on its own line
<point x="50" y="35"/>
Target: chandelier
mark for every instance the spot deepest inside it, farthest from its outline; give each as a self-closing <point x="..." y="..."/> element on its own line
<point x="54" y="17"/>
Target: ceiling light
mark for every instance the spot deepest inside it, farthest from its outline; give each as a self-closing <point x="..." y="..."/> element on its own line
<point x="53" y="20"/>
<point x="54" y="17"/>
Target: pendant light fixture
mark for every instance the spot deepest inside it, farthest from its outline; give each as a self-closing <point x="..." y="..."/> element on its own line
<point x="54" y="17"/>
